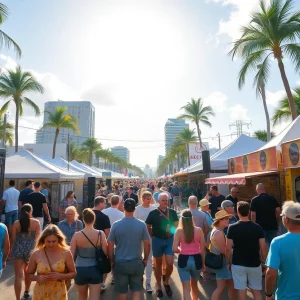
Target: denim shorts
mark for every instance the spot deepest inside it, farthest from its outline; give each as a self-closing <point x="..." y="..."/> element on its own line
<point x="162" y="246"/>
<point x="11" y="217"/>
<point x="88" y="275"/>
<point x="189" y="271"/>
<point x="224" y="273"/>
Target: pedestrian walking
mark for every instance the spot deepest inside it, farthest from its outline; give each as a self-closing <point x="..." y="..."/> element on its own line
<point x="50" y="265"/>
<point x="215" y="200"/>
<point x="38" y="203"/>
<point x="25" y="232"/>
<point x="233" y="197"/>
<point x="189" y="242"/>
<point x="69" y="200"/>
<point x="4" y="247"/>
<point x="113" y="213"/>
<point x="228" y="206"/>
<point x="176" y="195"/>
<point x="127" y="235"/>
<point x="283" y="260"/>
<point x="162" y="223"/>
<point x="25" y="192"/>
<point x="10" y="200"/>
<point x="84" y="243"/>
<point x="130" y="194"/>
<point x="265" y="211"/>
<point x="218" y="247"/>
<point x="204" y="207"/>
<point x="248" y="243"/>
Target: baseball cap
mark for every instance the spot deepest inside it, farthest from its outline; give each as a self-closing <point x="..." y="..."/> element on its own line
<point x="226" y="203"/>
<point x="129" y="205"/>
<point x="291" y="210"/>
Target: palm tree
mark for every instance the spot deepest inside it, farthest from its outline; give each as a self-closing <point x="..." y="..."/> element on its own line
<point x="187" y="136"/>
<point x="262" y="135"/>
<point x="91" y="145"/>
<point x="78" y="154"/>
<point x="196" y="112"/>
<point x="274" y="30"/>
<point x="4" y="38"/>
<point x="9" y="132"/>
<point x="105" y="154"/>
<point x="58" y="119"/>
<point x="282" y="111"/>
<point x="13" y="85"/>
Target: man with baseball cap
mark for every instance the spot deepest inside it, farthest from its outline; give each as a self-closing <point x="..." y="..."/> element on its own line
<point x="127" y="235"/>
<point x="204" y="206"/>
<point x="283" y="260"/>
<point x="228" y="206"/>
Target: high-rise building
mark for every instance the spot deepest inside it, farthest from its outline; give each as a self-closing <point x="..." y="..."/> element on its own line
<point x="121" y="152"/>
<point x="159" y="159"/>
<point x="84" y="111"/>
<point x="172" y="128"/>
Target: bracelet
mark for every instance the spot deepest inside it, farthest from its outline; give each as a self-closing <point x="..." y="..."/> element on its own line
<point x="269" y="295"/>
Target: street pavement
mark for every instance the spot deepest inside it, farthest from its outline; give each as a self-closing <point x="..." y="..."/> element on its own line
<point x="206" y="288"/>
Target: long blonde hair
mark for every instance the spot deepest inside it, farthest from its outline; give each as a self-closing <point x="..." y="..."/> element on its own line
<point x="187" y="224"/>
<point x="52" y="229"/>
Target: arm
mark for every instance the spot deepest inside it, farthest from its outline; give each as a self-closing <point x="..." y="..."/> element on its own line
<point x="146" y="251"/>
<point x="263" y="249"/>
<point x="2" y="203"/>
<point x="14" y="232"/>
<point x="205" y="227"/>
<point x="104" y="242"/>
<point x="220" y="241"/>
<point x="20" y="204"/>
<point x="73" y="244"/>
<point x="176" y="242"/>
<point x="278" y="212"/>
<point x="202" y="247"/>
<point x="229" y="244"/>
<point x="253" y="216"/>
<point x="107" y="231"/>
<point x="6" y="249"/>
<point x="110" y="251"/>
<point x="270" y="282"/>
<point x="32" y="270"/>
<point x="149" y="228"/>
<point x="46" y="210"/>
<point x="37" y="230"/>
<point x="69" y="261"/>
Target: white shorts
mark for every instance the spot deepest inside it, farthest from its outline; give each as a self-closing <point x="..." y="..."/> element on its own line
<point x="41" y="220"/>
<point x="244" y="277"/>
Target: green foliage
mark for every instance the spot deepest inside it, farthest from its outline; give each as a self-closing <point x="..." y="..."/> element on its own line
<point x="262" y="135"/>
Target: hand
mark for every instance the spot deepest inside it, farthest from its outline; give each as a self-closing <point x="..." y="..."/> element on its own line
<point x="49" y="219"/>
<point x="229" y="267"/>
<point x="3" y="264"/>
<point x="54" y="276"/>
<point x="144" y="261"/>
<point x="41" y="278"/>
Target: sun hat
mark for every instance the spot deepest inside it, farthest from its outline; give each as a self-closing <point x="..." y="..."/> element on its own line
<point x="220" y="215"/>
<point x="204" y="202"/>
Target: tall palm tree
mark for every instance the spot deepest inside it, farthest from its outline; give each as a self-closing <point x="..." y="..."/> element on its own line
<point x="78" y="154"/>
<point x="282" y="111"/>
<point x="9" y="132"/>
<point x="13" y="85"/>
<point x="91" y="145"/>
<point x="196" y="112"/>
<point x="187" y="136"/>
<point x="5" y="40"/>
<point x="262" y="135"/>
<point x="105" y="154"/>
<point x="58" y="120"/>
<point x="274" y="30"/>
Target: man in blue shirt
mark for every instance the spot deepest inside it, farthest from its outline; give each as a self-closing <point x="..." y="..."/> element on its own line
<point x="283" y="261"/>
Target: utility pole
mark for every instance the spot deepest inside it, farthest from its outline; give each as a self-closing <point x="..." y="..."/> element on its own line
<point x="239" y="124"/>
<point x="219" y="140"/>
<point x="68" y="149"/>
<point x="4" y="131"/>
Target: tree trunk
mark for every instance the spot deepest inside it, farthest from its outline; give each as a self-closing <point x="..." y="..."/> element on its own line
<point x="199" y="134"/>
<point x="264" y="100"/>
<point x="105" y="163"/>
<point x="178" y="162"/>
<point x="17" y="126"/>
<point x="91" y="158"/>
<point x="288" y="90"/>
<point x="54" y="143"/>
<point x="188" y="153"/>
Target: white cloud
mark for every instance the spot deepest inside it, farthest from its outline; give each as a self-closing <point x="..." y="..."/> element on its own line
<point x="213" y="40"/>
<point x="238" y="112"/>
<point x="100" y="95"/>
<point x="9" y="63"/>
<point x="274" y="97"/>
<point x="217" y="100"/>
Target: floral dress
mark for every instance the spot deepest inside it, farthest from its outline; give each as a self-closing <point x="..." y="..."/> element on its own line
<point x="50" y="290"/>
<point x="64" y="205"/>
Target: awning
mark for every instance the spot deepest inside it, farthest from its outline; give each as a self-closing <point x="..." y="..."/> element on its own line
<point x="237" y="178"/>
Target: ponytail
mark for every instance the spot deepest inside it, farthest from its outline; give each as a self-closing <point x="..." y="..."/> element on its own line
<point x="24" y="217"/>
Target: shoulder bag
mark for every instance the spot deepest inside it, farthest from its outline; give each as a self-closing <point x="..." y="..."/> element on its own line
<point x="212" y="260"/>
<point x="101" y="259"/>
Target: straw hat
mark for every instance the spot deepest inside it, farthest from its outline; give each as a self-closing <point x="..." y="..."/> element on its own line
<point x="221" y="215"/>
<point x="204" y="202"/>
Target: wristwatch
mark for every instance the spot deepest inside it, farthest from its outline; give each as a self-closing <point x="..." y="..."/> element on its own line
<point x="269" y="295"/>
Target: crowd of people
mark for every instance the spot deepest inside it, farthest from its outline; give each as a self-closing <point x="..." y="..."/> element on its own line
<point x="135" y="230"/>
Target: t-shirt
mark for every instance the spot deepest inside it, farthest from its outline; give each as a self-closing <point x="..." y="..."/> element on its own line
<point x="45" y="192"/>
<point x="2" y="236"/>
<point x="199" y="218"/>
<point x="215" y="203"/>
<point x="142" y="212"/>
<point x="233" y="200"/>
<point x="23" y="194"/>
<point x="127" y="234"/>
<point x="209" y="219"/>
<point x="265" y="207"/>
<point x="113" y="214"/>
<point x="159" y="220"/>
<point x="11" y="195"/>
<point x="102" y="221"/>
<point x="246" y="249"/>
<point x="175" y="191"/>
<point x="132" y="196"/>
<point x="232" y="220"/>
<point x="284" y="257"/>
<point x="36" y="200"/>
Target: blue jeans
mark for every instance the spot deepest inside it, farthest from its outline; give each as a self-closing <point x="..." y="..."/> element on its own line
<point x="11" y="217"/>
<point x="162" y="246"/>
<point x="270" y="235"/>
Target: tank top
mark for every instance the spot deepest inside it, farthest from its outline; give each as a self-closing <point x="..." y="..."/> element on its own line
<point x="191" y="248"/>
<point x="86" y="257"/>
<point x="213" y="248"/>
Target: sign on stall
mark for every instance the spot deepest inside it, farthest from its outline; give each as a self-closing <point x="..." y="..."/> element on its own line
<point x="106" y="175"/>
<point x="196" y="151"/>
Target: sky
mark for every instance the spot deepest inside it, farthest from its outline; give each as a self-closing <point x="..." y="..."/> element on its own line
<point x="139" y="62"/>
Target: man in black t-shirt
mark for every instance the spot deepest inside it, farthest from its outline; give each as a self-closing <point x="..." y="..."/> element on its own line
<point x="38" y="202"/>
<point x="25" y="192"/>
<point x="102" y="221"/>
<point x="247" y="241"/>
<point x="233" y="197"/>
<point x="265" y="211"/>
<point x="215" y="200"/>
<point x="130" y="194"/>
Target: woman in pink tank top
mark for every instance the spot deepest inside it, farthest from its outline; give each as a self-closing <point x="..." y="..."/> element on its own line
<point x="189" y="242"/>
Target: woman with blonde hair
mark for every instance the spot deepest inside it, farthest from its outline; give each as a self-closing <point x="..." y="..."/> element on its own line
<point x="53" y="263"/>
<point x="189" y="242"/>
<point x="71" y="224"/>
<point x="218" y="246"/>
<point x="89" y="277"/>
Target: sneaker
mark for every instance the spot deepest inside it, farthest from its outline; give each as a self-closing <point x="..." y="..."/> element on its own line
<point x="168" y="290"/>
<point x="103" y="287"/>
<point x="148" y="288"/>
<point x="159" y="294"/>
<point x="26" y="296"/>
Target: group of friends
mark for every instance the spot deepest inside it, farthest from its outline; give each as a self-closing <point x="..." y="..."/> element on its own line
<point x="141" y="234"/>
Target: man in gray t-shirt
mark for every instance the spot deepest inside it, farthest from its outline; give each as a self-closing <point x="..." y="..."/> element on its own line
<point x="199" y="216"/>
<point x="127" y="235"/>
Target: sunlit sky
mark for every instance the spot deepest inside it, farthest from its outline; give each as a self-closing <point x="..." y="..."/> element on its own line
<point x="138" y="62"/>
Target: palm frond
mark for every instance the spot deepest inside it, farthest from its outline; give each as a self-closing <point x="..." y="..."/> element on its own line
<point x="4" y="107"/>
<point x="32" y="105"/>
<point x="8" y="42"/>
<point x="293" y="51"/>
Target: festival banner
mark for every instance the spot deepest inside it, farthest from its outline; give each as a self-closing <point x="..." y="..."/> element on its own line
<point x="195" y="151"/>
<point x="290" y="154"/>
<point x="263" y="160"/>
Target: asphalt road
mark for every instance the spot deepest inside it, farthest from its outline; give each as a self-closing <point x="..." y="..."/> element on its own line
<point x="206" y="288"/>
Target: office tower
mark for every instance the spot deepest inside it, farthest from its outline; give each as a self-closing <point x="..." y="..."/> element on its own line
<point x="121" y="152"/>
<point x="159" y="159"/>
<point x="84" y="111"/>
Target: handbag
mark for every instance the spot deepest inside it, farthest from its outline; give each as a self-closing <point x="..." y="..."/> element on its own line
<point x="101" y="259"/>
<point x="212" y="260"/>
